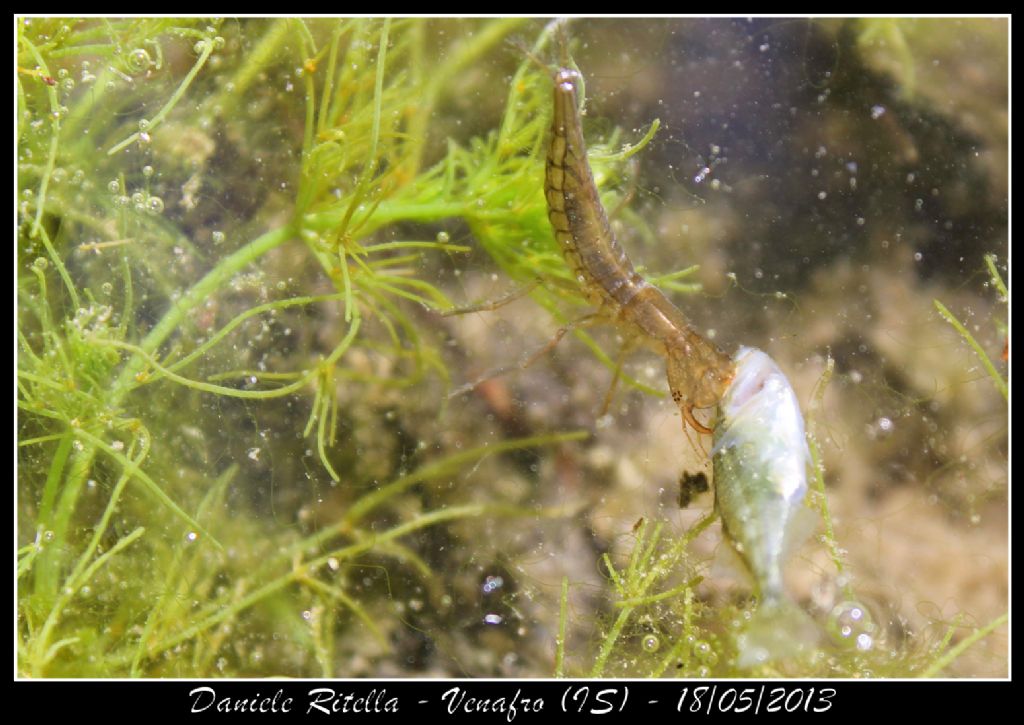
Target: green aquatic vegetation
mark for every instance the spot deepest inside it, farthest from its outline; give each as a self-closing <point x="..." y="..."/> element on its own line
<point x="944" y="659"/>
<point x="818" y="477"/>
<point x="135" y="327"/>
<point x="89" y="366"/>
<point x="660" y="623"/>
<point x="990" y="368"/>
<point x="889" y="34"/>
<point x="663" y="627"/>
<point x="229" y="267"/>
<point x="651" y="563"/>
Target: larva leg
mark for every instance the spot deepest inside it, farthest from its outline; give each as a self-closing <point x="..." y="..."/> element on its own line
<point x="627" y="347"/>
<point x="688" y="417"/>
<point x="494" y="304"/>
<point x="581" y="322"/>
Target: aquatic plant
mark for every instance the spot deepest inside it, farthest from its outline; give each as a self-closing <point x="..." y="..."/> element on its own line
<point x="983" y="358"/>
<point x="136" y="306"/>
<point x="234" y="237"/>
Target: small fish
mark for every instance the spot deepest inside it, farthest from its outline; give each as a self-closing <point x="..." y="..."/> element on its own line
<point x="761" y="457"/>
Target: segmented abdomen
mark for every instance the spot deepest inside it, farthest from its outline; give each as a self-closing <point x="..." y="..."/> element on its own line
<point x="575" y="210"/>
<point x="698" y="371"/>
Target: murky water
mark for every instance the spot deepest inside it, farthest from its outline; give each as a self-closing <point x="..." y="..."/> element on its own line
<point x="235" y="239"/>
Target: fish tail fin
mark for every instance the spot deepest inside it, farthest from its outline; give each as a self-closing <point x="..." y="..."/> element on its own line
<point x="779" y="629"/>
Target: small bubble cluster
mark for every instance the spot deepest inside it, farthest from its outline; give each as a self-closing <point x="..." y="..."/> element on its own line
<point x="492" y="584"/>
<point x="850" y="624"/>
<point x="142" y="201"/>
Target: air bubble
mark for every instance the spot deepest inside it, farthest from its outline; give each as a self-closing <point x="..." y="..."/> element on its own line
<point x="217" y="237"/>
<point x="851" y="625"/>
<point x="40" y="263"/>
<point x="492" y="584"/>
<point x="651" y="643"/>
<point x="144" y="124"/>
<point x="147" y="171"/>
<point x="155" y="205"/>
<point x="114" y="186"/>
<point x="138" y="60"/>
<point x="443" y="237"/>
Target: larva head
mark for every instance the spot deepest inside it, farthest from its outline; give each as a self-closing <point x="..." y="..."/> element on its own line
<point x="698" y="383"/>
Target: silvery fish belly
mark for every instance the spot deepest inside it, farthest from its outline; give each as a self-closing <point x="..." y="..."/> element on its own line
<point x="760" y="461"/>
